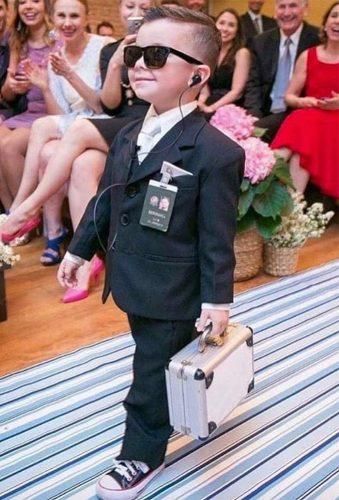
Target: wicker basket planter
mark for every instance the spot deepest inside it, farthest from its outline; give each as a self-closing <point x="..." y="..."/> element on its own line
<point x="248" y="247"/>
<point x="280" y="261"/>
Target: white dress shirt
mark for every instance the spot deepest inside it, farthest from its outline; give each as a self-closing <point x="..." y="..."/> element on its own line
<point x="161" y="124"/>
<point x="258" y="18"/>
<point x="293" y="46"/>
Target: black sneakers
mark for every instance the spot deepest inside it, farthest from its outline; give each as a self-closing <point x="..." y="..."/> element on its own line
<point x="126" y="480"/>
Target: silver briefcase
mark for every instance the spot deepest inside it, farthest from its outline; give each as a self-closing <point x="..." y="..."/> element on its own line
<point x="208" y="378"/>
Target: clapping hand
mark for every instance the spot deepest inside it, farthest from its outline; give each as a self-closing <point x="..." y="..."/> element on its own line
<point x="60" y="65"/>
<point x="330" y="103"/>
<point x="17" y="80"/>
<point x="36" y="75"/>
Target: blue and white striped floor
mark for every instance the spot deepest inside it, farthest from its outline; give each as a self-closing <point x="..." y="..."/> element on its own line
<point x="61" y="422"/>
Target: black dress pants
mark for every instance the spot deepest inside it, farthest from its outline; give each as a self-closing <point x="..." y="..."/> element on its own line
<point x="147" y="423"/>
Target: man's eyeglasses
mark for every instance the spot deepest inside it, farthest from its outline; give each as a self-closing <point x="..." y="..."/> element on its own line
<point x="155" y="56"/>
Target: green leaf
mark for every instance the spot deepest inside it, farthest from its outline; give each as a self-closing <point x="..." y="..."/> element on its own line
<point x="272" y="202"/>
<point x="289" y="206"/>
<point x="282" y="171"/>
<point x="245" y="201"/>
<point x="245" y="185"/>
<point x="246" y="222"/>
<point x="267" y="226"/>
<point x="263" y="185"/>
<point x="258" y="132"/>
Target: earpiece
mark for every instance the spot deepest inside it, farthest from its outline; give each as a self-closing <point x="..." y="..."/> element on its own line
<point x="196" y="79"/>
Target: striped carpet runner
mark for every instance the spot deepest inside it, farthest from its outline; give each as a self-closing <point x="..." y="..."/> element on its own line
<point x="61" y="422"/>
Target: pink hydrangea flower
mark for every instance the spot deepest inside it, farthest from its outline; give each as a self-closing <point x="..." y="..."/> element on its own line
<point x="259" y="160"/>
<point x="233" y="121"/>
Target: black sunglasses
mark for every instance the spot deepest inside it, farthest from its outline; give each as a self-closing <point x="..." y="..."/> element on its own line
<point x="155" y="56"/>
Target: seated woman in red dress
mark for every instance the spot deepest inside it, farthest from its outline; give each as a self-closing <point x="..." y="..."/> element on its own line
<point x="309" y="136"/>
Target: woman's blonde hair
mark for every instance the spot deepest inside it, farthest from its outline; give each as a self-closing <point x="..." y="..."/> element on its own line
<point x="83" y="2"/>
<point x="20" y="32"/>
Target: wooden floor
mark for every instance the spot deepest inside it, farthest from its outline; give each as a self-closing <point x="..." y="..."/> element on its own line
<point x="40" y="327"/>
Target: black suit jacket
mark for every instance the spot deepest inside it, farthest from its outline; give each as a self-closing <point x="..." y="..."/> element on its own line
<point x="265" y="57"/>
<point x="249" y="29"/>
<point x="168" y="275"/>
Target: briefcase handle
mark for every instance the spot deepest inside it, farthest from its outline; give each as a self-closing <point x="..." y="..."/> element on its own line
<point x="207" y="339"/>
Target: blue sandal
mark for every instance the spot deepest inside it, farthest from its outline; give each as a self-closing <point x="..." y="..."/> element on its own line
<point x="52" y="254"/>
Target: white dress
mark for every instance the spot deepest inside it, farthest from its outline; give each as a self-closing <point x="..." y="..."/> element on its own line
<point x="67" y="98"/>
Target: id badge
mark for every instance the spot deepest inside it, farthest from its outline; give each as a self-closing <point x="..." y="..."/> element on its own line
<point x="158" y="205"/>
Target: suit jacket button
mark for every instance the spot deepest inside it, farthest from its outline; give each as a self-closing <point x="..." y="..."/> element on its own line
<point x="131" y="191"/>
<point x="124" y="220"/>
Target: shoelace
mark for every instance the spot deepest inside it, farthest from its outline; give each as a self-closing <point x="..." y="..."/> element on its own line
<point x="128" y="469"/>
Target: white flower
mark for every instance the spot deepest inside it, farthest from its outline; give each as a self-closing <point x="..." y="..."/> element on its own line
<point x="301" y="223"/>
<point x="6" y="252"/>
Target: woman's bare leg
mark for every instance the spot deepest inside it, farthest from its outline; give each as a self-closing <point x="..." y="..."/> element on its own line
<point x="43" y="130"/>
<point x="284" y="153"/>
<point x="80" y="136"/>
<point x="53" y="227"/>
<point x="13" y="151"/>
<point x="300" y="176"/>
<point x="86" y="173"/>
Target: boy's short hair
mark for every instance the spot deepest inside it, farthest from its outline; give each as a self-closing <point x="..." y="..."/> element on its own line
<point x="206" y="39"/>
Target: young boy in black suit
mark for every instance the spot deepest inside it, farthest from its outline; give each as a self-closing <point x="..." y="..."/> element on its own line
<point x="163" y="277"/>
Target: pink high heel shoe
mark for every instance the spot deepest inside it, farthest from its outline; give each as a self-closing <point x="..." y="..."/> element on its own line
<point x="25" y="228"/>
<point x="76" y="294"/>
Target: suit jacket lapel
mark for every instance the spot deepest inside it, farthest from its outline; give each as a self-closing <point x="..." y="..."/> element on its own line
<point x="250" y="28"/>
<point x="169" y="147"/>
<point x="128" y="152"/>
<point x="275" y="52"/>
<point x="303" y="45"/>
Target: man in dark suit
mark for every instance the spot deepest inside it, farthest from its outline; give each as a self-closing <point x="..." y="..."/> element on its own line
<point x="268" y="50"/>
<point x="254" y="23"/>
<point x="163" y="276"/>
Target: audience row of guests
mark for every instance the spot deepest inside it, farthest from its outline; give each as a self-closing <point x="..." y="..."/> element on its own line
<point x="86" y="78"/>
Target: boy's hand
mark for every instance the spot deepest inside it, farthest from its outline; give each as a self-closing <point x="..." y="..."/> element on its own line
<point x="67" y="273"/>
<point x="219" y="320"/>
